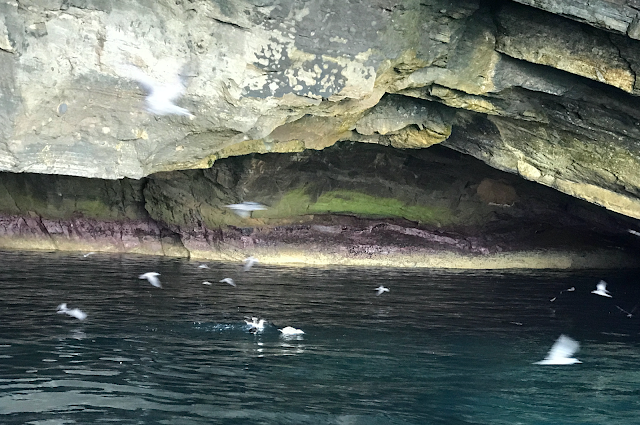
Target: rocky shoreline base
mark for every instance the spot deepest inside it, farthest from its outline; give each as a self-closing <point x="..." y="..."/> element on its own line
<point x="367" y="243"/>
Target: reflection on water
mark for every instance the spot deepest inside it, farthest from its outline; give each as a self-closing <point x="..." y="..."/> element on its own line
<point x="440" y="348"/>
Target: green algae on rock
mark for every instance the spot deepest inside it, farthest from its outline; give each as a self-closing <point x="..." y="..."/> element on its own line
<point x="351" y="204"/>
<point x="266" y="77"/>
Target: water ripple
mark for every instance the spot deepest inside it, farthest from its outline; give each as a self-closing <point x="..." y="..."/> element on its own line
<point x="441" y="347"/>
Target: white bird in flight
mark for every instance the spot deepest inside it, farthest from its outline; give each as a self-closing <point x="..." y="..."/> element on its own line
<point x="206" y="283"/>
<point x="601" y="289"/>
<point x="245" y="209"/>
<point x="289" y="330"/>
<point x="152" y="277"/>
<point x="88" y="254"/>
<point x="229" y="281"/>
<point x="203" y="266"/>
<point x="381" y="290"/>
<point x="75" y="312"/>
<point x="561" y="352"/>
<point x="249" y="262"/>
<point x="160" y="97"/>
<point x="572" y="289"/>
<point x="628" y="313"/>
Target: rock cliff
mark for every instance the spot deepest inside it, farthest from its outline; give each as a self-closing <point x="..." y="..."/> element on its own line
<point x="546" y="90"/>
<point x="351" y="203"/>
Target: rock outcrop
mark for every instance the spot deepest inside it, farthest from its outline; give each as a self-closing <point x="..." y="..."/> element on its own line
<point x="549" y="93"/>
<point x="351" y="203"/>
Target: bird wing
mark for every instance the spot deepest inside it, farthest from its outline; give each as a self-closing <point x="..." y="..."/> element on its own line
<point x="563" y="348"/>
<point x="154" y="281"/>
<point x="622" y="309"/>
<point x="134" y="73"/>
<point x="77" y="313"/>
<point x="602" y="286"/>
<point x="254" y="206"/>
<point x="173" y="90"/>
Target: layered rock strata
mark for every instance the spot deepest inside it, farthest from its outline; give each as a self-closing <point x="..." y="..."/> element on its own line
<point x="349" y="204"/>
<point x="546" y="92"/>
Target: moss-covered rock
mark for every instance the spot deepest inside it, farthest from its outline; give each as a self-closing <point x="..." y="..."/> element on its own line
<point x="351" y="203"/>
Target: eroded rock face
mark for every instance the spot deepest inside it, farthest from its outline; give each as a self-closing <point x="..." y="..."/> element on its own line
<point x="351" y="203"/>
<point x="554" y="101"/>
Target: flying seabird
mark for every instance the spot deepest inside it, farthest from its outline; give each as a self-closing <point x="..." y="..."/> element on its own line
<point x="572" y="289"/>
<point x="629" y="315"/>
<point x="381" y="289"/>
<point x="75" y="312"/>
<point x="561" y="352"/>
<point x="88" y="254"/>
<point x="601" y="289"/>
<point x="245" y="209"/>
<point x="203" y="266"/>
<point x="229" y="281"/>
<point x="206" y="283"/>
<point x="160" y="97"/>
<point x="152" y="277"/>
<point x="249" y="262"/>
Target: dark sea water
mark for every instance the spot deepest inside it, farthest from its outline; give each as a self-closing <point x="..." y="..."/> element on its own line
<point x="442" y="347"/>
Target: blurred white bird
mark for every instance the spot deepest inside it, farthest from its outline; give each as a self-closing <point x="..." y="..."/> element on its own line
<point x="289" y="330"/>
<point x="229" y="281"/>
<point x="245" y="209"/>
<point x="561" y="352"/>
<point x="88" y="254"/>
<point x="381" y="290"/>
<point x="206" y="283"/>
<point x="160" y="97"/>
<point x="601" y="289"/>
<point x="152" y="277"/>
<point x="203" y="266"/>
<point x="255" y="324"/>
<point x="249" y="262"/>
<point x="77" y="313"/>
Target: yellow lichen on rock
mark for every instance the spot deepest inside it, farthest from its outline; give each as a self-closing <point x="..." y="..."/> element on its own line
<point x="414" y="138"/>
<point x="627" y="205"/>
<point x="313" y="132"/>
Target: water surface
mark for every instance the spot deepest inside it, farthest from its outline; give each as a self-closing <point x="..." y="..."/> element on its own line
<point x="442" y="347"/>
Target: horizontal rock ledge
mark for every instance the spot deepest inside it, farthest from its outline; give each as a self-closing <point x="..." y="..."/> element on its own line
<point x="142" y="239"/>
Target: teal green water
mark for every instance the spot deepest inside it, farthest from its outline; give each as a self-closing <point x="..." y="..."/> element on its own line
<point x="439" y="348"/>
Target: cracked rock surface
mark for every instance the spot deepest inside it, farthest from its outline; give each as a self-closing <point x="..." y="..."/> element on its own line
<point x="352" y="203"/>
<point x="549" y="93"/>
